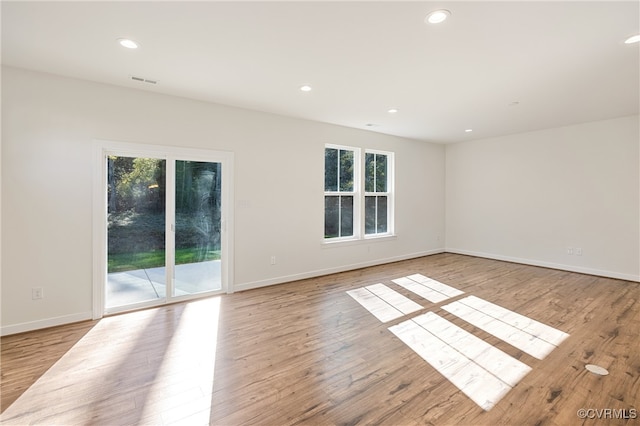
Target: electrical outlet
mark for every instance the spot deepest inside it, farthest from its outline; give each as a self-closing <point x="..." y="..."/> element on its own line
<point x="570" y="250"/>
<point x="37" y="293"/>
<point x="273" y="260"/>
<point x="578" y="251"/>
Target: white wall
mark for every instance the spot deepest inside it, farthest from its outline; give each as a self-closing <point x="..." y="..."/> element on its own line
<point x="528" y="197"/>
<point x="50" y="122"/>
<point x="524" y="197"/>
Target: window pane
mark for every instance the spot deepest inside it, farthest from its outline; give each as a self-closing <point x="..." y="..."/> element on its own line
<point x="136" y="195"/>
<point x="346" y="170"/>
<point x="197" y="227"/>
<point x="330" y="169"/>
<point x="369" y="174"/>
<point x="382" y="215"/>
<point x="331" y="216"/>
<point x="346" y="216"/>
<point x="369" y="215"/>
<point x="381" y="173"/>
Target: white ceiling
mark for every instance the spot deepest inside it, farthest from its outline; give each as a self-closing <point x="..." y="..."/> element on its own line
<point x="564" y="62"/>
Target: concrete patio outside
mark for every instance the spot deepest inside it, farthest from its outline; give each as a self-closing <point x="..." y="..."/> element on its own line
<point x="141" y="285"/>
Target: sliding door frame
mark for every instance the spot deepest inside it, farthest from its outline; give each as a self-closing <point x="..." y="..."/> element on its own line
<point x="103" y="148"/>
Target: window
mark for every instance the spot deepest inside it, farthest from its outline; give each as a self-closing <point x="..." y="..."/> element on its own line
<point x="344" y="194"/>
<point x="376" y="196"/>
<point x="339" y="191"/>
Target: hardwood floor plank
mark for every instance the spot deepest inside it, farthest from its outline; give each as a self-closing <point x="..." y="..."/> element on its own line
<point x="307" y="353"/>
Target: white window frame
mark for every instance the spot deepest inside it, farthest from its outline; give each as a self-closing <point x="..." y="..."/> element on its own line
<point x="359" y="195"/>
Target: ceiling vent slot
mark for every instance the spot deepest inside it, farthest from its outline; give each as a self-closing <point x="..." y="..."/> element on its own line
<point x="144" y="80"/>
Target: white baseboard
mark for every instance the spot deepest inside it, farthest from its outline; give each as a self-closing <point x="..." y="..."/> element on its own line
<point x="551" y="265"/>
<point x="45" y="323"/>
<point x="321" y="272"/>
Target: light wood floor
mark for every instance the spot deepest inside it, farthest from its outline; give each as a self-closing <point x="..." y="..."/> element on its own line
<point x="307" y="353"/>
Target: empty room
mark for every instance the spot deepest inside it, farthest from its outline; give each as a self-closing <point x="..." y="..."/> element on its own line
<point x="320" y="213"/>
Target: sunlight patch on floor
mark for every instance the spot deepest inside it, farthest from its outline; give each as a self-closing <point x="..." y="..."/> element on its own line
<point x="481" y="371"/>
<point x="526" y="334"/>
<point x="383" y="302"/>
<point x="153" y="365"/>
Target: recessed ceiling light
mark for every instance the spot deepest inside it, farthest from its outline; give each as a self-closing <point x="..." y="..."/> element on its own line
<point x="633" y="39"/>
<point x="469" y="130"/>
<point x="392" y="110"/>
<point x="128" y="43"/>
<point x="437" y="16"/>
<point x="305" y="88"/>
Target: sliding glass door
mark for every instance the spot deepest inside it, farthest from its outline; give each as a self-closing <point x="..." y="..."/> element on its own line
<point x="197" y="231"/>
<point x="136" y="230"/>
<point x="165" y="236"/>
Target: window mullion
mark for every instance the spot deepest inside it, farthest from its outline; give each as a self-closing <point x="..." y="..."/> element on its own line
<point x="362" y="171"/>
<point x="338" y="171"/>
<point x="375" y="170"/>
<point x="339" y="213"/>
<point x="377" y="212"/>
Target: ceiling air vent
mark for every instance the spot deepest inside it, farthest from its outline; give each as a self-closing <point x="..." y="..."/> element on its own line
<point x="143" y="80"/>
